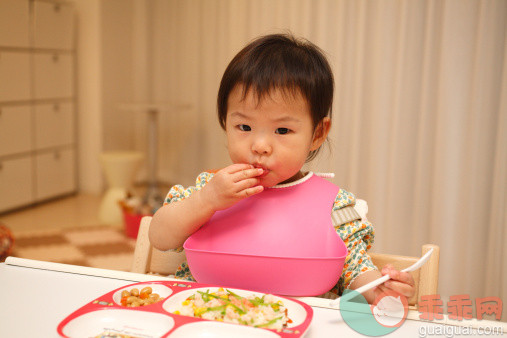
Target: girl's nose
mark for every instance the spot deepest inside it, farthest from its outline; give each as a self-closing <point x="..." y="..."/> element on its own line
<point x="261" y="146"/>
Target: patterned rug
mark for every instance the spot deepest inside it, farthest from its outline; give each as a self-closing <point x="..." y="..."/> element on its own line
<point x="98" y="247"/>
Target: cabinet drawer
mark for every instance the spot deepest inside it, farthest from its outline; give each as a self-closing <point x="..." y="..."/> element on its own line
<point x="55" y="174"/>
<point x="14" y="76"/>
<point x="53" y="25"/>
<point x="15" y="183"/>
<point x="14" y="27"/>
<point x="54" y="124"/>
<point x="53" y="76"/>
<point x="15" y="129"/>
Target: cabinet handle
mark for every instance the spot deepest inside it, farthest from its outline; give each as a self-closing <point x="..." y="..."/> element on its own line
<point x="57" y="8"/>
<point x="57" y="155"/>
<point x="55" y="57"/>
<point x="1" y="166"/>
<point x="56" y="107"/>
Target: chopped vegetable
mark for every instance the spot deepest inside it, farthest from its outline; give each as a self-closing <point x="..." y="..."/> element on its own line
<point x="225" y="305"/>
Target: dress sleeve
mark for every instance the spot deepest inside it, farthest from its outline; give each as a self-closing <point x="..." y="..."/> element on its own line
<point x="178" y="193"/>
<point x="358" y="236"/>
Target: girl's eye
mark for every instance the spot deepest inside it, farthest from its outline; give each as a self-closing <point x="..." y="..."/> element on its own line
<point x="282" y="131"/>
<point x="244" y="127"/>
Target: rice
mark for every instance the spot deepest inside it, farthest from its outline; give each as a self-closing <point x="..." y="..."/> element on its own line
<point x="224" y="305"/>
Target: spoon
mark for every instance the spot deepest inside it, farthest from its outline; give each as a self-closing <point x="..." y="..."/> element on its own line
<point x="385" y="278"/>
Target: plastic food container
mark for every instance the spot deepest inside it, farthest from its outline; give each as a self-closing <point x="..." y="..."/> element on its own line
<point x="106" y="315"/>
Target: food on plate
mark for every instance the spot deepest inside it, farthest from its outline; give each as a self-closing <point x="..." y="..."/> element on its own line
<point x="224" y="305"/>
<point x="110" y="334"/>
<point x="134" y="297"/>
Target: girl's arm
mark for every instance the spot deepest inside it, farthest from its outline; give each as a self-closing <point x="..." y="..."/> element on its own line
<point x="173" y="223"/>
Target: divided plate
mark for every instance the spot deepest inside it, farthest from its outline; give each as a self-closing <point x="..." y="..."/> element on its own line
<point x="105" y="314"/>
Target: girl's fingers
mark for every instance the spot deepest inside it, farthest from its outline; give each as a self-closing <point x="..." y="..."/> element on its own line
<point x="234" y="168"/>
<point x="401" y="288"/>
<point x="401" y="282"/>
<point x="246" y="174"/>
<point x="387" y="268"/>
<point x="245" y="184"/>
<point x="252" y="191"/>
<point x="403" y="277"/>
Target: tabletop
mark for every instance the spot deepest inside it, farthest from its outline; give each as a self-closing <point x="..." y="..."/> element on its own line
<point x="37" y="296"/>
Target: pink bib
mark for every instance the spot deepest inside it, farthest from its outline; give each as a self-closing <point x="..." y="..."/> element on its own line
<point x="285" y="223"/>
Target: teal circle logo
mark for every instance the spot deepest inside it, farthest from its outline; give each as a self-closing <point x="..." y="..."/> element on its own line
<point x="384" y="316"/>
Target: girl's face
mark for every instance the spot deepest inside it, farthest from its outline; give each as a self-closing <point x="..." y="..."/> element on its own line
<point x="275" y="133"/>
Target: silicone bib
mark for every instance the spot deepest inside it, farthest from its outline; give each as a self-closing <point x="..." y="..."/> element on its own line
<point x="291" y="222"/>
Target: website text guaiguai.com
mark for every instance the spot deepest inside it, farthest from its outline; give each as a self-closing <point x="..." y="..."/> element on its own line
<point x="456" y="331"/>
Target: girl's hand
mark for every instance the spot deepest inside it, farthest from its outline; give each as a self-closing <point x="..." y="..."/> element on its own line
<point x="400" y="282"/>
<point x="230" y="185"/>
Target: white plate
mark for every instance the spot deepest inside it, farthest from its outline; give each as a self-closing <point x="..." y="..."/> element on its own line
<point x="295" y="311"/>
<point x="207" y="329"/>
<point x="128" y="322"/>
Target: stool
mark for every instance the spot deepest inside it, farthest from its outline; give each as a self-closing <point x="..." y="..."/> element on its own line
<point x="120" y="169"/>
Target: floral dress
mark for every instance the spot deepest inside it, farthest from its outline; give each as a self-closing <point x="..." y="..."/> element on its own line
<point x="357" y="235"/>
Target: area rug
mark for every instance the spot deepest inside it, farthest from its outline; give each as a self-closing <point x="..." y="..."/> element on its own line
<point x="97" y="247"/>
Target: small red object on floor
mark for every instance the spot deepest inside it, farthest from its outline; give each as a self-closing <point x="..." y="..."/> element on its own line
<point x="132" y="222"/>
<point x="6" y="241"/>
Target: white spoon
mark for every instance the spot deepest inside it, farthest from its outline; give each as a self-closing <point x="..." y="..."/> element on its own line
<point x="385" y="278"/>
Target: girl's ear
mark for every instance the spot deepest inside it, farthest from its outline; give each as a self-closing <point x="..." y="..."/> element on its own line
<point x="320" y="133"/>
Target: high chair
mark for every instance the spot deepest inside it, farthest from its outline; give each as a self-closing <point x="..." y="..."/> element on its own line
<point x="152" y="261"/>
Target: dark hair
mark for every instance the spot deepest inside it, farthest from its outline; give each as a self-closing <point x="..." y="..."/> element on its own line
<point x="280" y="61"/>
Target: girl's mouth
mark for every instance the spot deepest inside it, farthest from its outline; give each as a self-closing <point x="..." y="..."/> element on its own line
<point x="265" y="171"/>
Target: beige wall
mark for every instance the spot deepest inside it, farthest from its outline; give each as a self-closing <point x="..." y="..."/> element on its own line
<point x="105" y="65"/>
<point x="89" y="64"/>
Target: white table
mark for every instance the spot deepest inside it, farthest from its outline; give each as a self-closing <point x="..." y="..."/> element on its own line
<point x="35" y="300"/>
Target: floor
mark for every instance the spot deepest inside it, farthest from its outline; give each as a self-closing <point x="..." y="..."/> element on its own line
<point x="68" y="230"/>
<point x="76" y="211"/>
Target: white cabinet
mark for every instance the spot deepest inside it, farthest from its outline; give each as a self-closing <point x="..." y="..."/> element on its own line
<point x="14" y="23"/>
<point x="53" y="75"/>
<point x="53" y="25"/>
<point x="55" y="173"/>
<point x="14" y="75"/>
<point x="15" y="130"/>
<point x="37" y="101"/>
<point x="16" y="187"/>
<point x="54" y="125"/>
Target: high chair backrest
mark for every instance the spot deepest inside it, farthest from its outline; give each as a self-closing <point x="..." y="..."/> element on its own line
<point x="150" y="260"/>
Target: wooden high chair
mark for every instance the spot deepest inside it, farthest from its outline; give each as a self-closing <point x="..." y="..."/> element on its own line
<point x="152" y="261"/>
